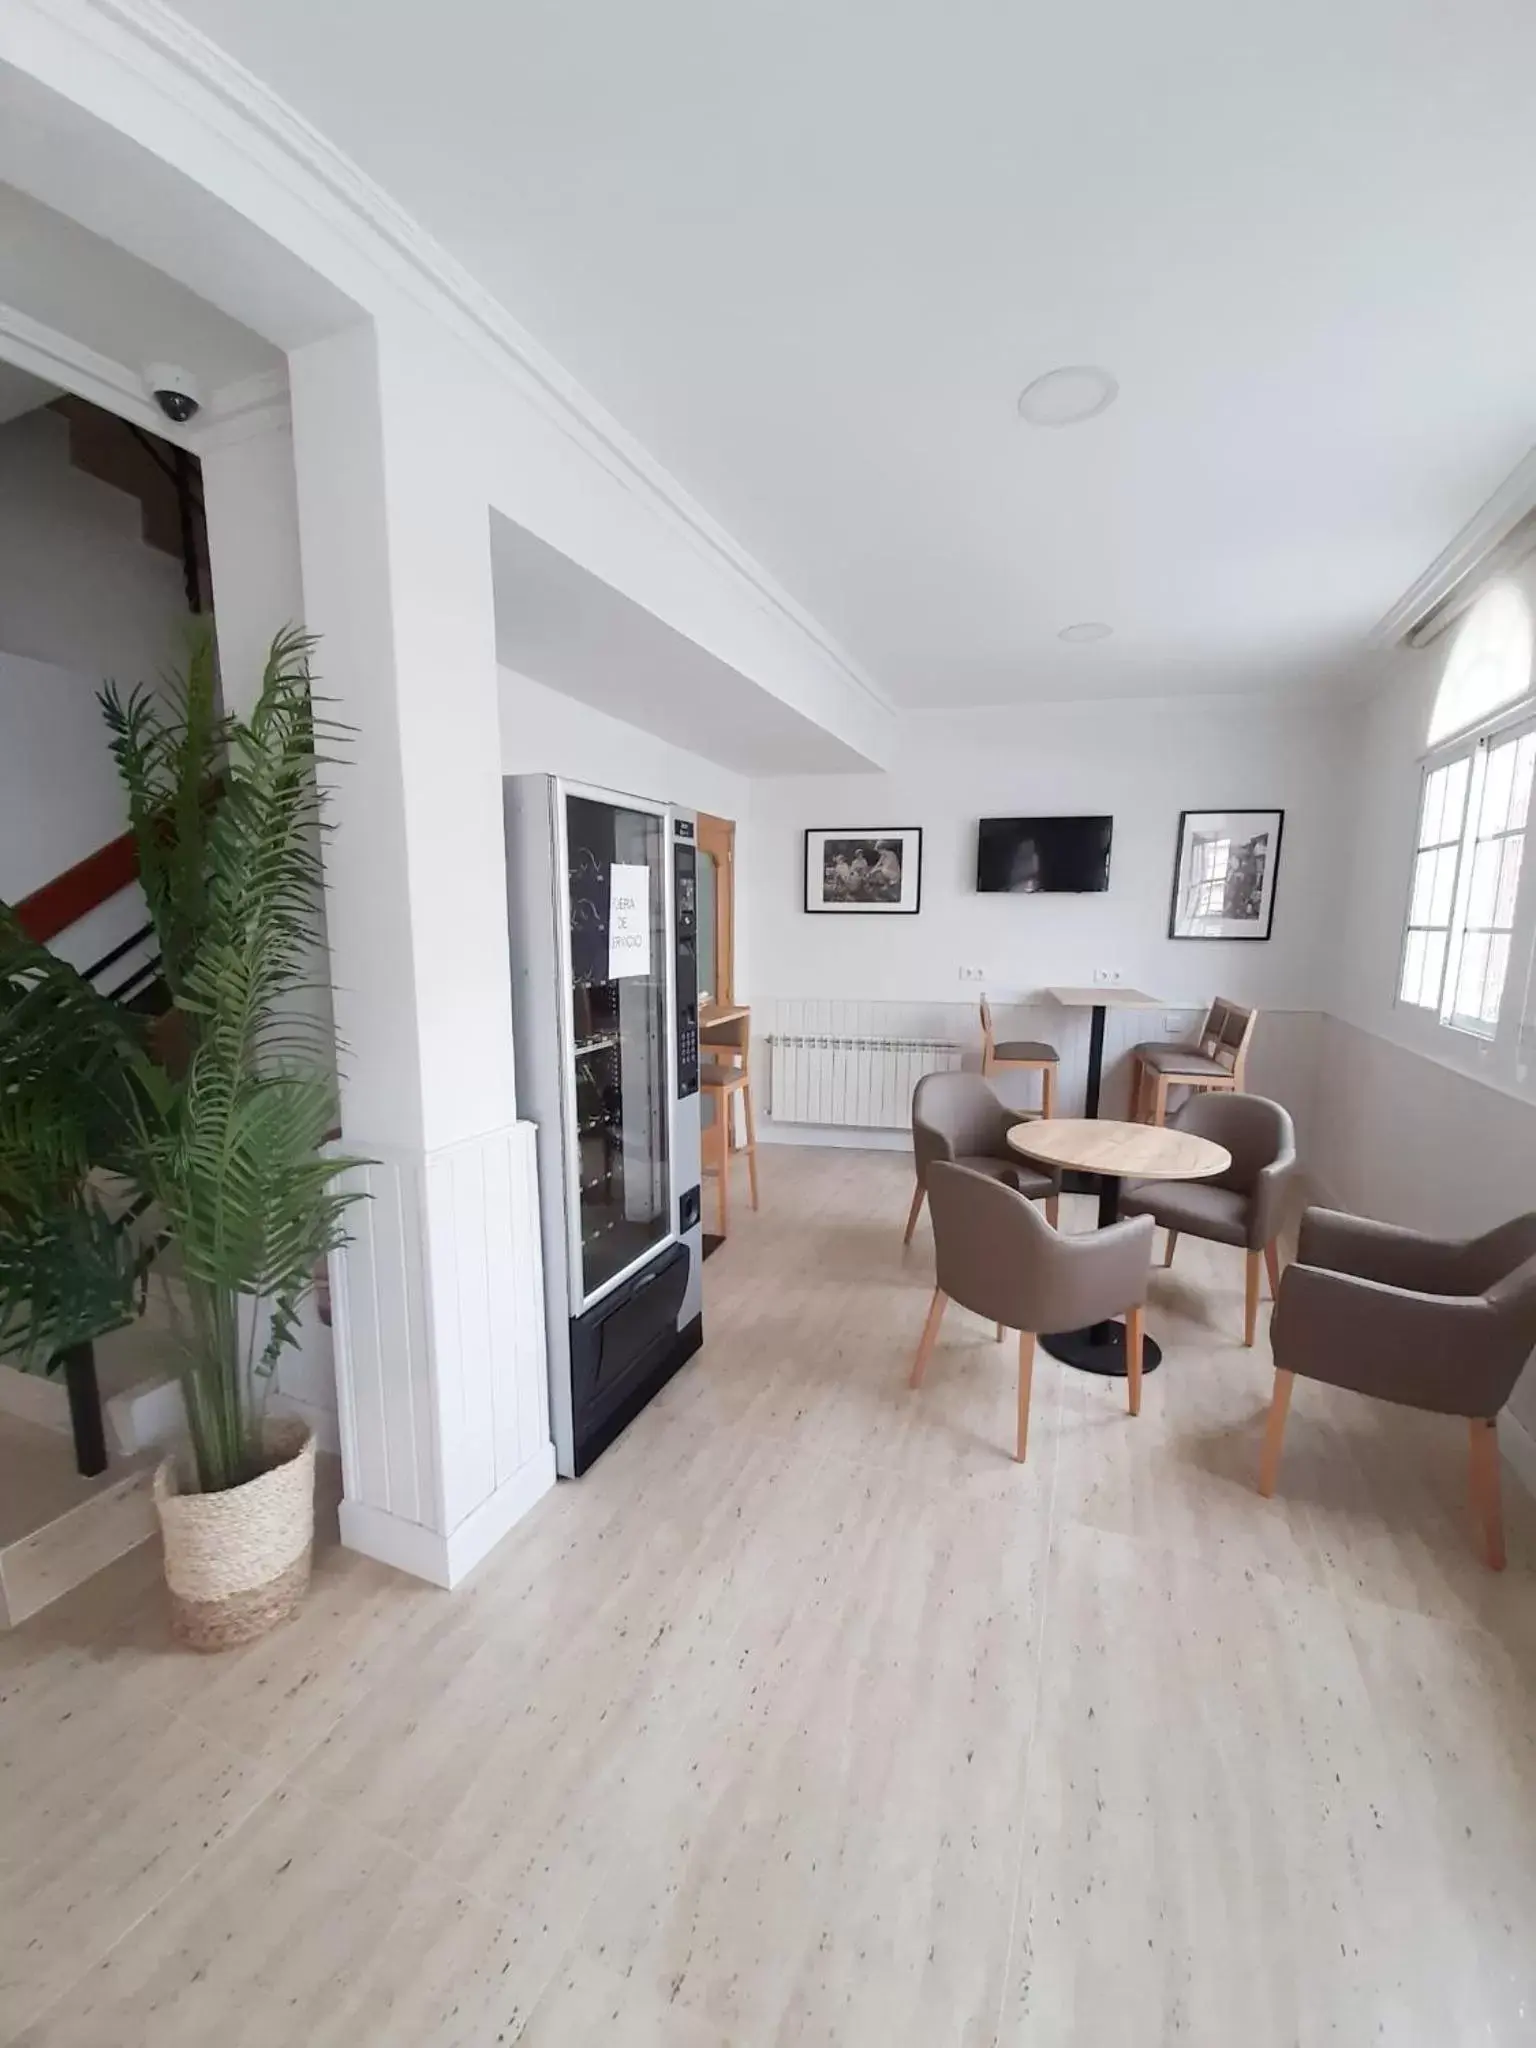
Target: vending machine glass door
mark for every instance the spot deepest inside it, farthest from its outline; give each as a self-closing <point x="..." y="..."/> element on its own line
<point x="620" y="1059"/>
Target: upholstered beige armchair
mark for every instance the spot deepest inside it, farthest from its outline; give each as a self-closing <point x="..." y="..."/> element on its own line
<point x="959" y="1117"/>
<point x="1436" y="1324"/>
<point x="1245" y="1204"/>
<point x="999" y="1257"/>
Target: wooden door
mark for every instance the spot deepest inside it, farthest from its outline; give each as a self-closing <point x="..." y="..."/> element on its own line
<point x="717" y="912"/>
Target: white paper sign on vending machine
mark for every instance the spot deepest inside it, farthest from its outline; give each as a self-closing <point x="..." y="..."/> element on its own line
<point x="629" y="921"/>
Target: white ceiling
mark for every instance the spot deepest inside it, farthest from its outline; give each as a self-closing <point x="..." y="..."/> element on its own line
<point x="810" y="255"/>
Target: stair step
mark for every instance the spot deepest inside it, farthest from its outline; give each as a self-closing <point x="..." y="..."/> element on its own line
<point x="57" y="1529"/>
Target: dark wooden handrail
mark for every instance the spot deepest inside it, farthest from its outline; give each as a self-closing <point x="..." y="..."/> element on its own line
<point x="79" y="890"/>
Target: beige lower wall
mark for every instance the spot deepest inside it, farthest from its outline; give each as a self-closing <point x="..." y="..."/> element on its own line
<point x="1402" y="1137"/>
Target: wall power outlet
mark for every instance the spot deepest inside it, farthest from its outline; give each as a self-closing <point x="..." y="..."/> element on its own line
<point x="1107" y="977"/>
<point x="973" y="974"/>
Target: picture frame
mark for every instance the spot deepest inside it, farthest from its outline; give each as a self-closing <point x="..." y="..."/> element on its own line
<point x="863" y="871"/>
<point x="1225" y="868"/>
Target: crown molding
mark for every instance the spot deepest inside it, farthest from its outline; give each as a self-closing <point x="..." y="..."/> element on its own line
<point x="1509" y="504"/>
<point x="214" y="88"/>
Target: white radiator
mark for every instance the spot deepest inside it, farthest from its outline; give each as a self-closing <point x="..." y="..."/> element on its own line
<point x="866" y="1083"/>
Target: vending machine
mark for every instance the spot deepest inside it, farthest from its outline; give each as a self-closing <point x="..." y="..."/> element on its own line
<point x="602" y="908"/>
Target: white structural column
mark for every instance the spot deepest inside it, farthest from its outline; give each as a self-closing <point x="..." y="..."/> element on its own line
<point x="441" y="1388"/>
<point x="253" y="549"/>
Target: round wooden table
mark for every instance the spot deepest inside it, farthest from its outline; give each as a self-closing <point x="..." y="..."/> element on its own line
<point x="1112" y="1153"/>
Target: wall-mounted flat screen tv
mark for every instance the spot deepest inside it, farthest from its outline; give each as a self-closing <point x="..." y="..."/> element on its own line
<point x="1042" y="856"/>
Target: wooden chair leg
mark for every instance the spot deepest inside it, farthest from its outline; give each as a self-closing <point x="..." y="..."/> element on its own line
<point x="1048" y="1091"/>
<point x="1160" y="1102"/>
<point x="1053" y="1211"/>
<point x="1133" y="1339"/>
<point x="1484" y="1474"/>
<point x="930" y="1335"/>
<point x="1274" y="1433"/>
<point x="919" y="1196"/>
<point x="746" y="1109"/>
<point x="1272" y="1262"/>
<point x="1252" y="1266"/>
<point x="1026" y="1375"/>
<point x="1173" y="1238"/>
<point x="723" y="1154"/>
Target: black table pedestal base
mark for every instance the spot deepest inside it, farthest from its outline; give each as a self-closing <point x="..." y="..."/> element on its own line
<point x="1100" y="1348"/>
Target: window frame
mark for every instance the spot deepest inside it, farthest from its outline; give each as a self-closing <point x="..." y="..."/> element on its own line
<point x="1473" y="839"/>
<point x="716" y="839"/>
<point x="1509" y="724"/>
<point x="1443" y="757"/>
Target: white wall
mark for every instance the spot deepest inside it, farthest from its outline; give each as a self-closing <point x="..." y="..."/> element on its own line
<point x="544" y="732"/>
<point x="1143" y="763"/>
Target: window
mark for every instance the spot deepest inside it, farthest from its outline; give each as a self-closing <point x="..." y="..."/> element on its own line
<point x="1485" y="912"/>
<point x="1473" y="810"/>
<point x="1441" y="814"/>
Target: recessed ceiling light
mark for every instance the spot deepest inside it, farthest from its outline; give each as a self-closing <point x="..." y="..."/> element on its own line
<point x="1065" y="397"/>
<point x="1090" y="629"/>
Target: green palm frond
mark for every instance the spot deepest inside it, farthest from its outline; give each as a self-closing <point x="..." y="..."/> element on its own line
<point x="169" y="747"/>
<point x="70" y="1274"/>
<point x="74" y="1078"/>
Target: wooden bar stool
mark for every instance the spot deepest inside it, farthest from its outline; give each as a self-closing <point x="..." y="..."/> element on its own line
<point x="1034" y="1055"/>
<point x="724" y="1074"/>
<point x="1217" y="1062"/>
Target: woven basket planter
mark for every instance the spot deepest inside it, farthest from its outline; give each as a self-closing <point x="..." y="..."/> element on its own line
<point x="237" y="1563"/>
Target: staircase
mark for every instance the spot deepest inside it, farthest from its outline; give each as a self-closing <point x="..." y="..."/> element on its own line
<point x="163" y="478"/>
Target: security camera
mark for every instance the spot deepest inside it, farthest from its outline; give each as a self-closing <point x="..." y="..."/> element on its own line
<point x="174" y="391"/>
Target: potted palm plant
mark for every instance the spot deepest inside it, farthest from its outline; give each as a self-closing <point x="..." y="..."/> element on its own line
<point x="220" y="1125"/>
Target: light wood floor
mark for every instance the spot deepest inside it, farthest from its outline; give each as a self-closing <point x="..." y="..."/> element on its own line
<point x="809" y="1717"/>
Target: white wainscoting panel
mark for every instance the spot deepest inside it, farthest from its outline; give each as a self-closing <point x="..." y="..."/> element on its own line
<point x="960" y="1024"/>
<point x="1282" y="1064"/>
<point x="439" y="1324"/>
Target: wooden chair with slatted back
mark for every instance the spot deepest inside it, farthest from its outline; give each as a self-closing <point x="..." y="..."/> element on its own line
<point x="1218" y="1060"/>
<point x="1032" y="1055"/>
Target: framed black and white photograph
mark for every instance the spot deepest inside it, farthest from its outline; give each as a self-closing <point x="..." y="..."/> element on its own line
<point x="1224" y="875"/>
<point x="874" y="872"/>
